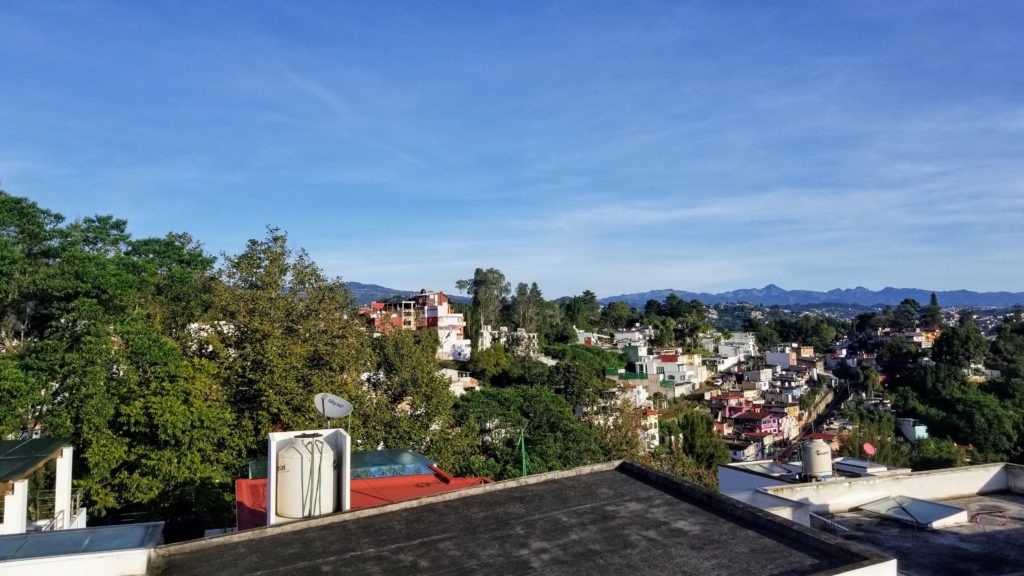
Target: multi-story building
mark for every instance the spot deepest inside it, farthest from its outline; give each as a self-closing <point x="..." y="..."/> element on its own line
<point x="433" y="312"/>
<point x="425" y="311"/>
<point x="379" y="319"/>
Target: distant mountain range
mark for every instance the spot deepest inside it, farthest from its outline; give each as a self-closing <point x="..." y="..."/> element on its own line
<point x="366" y="293"/>
<point x="772" y="295"/>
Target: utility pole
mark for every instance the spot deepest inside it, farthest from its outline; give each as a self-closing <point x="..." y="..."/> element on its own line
<point x="522" y="447"/>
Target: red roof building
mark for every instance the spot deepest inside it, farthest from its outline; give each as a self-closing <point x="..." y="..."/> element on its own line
<point x="251" y="494"/>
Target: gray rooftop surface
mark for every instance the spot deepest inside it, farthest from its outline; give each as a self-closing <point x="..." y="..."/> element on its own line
<point x="608" y="519"/>
<point x="983" y="548"/>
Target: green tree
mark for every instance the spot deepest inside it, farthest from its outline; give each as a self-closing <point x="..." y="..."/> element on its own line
<point x="28" y="237"/>
<point x="905" y="316"/>
<point x="690" y="319"/>
<point x="809" y="329"/>
<point x="409" y="404"/>
<point x="486" y="364"/>
<point x="178" y="282"/>
<point x="523" y="372"/>
<point x="20" y="394"/>
<point x="652" y="308"/>
<point x="489" y="290"/>
<point x="879" y="430"/>
<point x="930" y="316"/>
<point x="870" y="380"/>
<point x="675" y="461"/>
<point x="665" y="331"/>
<point x="582" y="311"/>
<point x="618" y="315"/>
<point x="990" y="426"/>
<point x="765" y="335"/>
<point x="526" y="306"/>
<point x="579" y="383"/>
<point x="172" y="434"/>
<point x="618" y="429"/>
<point x="1008" y="347"/>
<point x="282" y="332"/>
<point x="555" y="439"/>
<point x="151" y="428"/>
<point x="961" y="345"/>
<point x="936" y="453"/>
<point x="699" y="440"/>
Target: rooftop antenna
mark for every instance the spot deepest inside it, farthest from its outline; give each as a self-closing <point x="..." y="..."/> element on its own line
<point x="332" y="407"/>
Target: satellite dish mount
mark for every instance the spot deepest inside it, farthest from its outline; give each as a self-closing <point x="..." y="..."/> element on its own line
<point x="333" y="407"/>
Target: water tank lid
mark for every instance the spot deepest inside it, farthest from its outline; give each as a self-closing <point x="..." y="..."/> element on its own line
<point x="310" y="435"/>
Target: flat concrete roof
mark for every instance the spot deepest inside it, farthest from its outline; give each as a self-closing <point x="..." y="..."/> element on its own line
<point x="614" y="518"/>
<point x="985" y="547"/>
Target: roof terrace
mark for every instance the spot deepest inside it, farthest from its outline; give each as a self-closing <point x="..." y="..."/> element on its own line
<point x="613" y="518"/>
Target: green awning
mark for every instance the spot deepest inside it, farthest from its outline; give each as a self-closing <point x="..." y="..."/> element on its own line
<point x="20" y="458"/>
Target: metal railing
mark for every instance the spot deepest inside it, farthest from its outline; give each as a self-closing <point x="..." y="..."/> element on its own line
<point x="42" y="505"/>
<point x="57" y="517"/>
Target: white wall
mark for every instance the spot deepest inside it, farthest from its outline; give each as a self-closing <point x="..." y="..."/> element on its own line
<point x="1015" y="478"/>
<point x="16" y="509"/>
<point x="735" y="479"/>
<point x="62" y="505"/>
<point x="841" y="495"/>
<point x="787" y="509"/>
<point x="119" y="563"/>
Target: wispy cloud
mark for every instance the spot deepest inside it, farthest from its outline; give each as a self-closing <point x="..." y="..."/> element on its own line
<point x="610" y="147"/>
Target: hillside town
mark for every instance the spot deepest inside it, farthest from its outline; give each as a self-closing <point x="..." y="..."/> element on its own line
<point x="762" y="399"/>
<point x="528" y="288"/>
<point x="247" y="373"/>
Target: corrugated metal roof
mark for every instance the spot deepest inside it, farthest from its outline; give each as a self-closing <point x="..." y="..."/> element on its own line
<point x="19" y="458"/>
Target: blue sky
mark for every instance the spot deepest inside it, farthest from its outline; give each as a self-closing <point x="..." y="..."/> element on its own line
<point x="610" y="146"/>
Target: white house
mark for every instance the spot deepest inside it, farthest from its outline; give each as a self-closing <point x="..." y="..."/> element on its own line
<point x="20" y="459"/>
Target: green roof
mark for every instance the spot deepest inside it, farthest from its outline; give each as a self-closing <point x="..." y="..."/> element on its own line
<point x="632" y="376"/>
<point x="20" y="458"/>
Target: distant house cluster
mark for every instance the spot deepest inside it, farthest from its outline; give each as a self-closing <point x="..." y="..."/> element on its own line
<point x="424" y="311"/>
<point x="761" y="400"/>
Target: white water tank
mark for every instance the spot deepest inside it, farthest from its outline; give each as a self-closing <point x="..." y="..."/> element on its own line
<point x="817" y="459"/>
<point x="306" y="483"/>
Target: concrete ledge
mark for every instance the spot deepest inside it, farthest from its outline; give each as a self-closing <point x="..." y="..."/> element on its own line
<point x="353" y="515"/>
<point x="844" y="494"/>
<point x="761" y="520"/>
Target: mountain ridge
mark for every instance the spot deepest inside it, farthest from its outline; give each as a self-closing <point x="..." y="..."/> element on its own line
<point x="773" y="295"/>
<point x="769" y="295"/>
<point x="366" y="293"/>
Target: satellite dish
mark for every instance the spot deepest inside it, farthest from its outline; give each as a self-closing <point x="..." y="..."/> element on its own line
<point x="869" y="449"/>
<point x="332" y="406"/>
